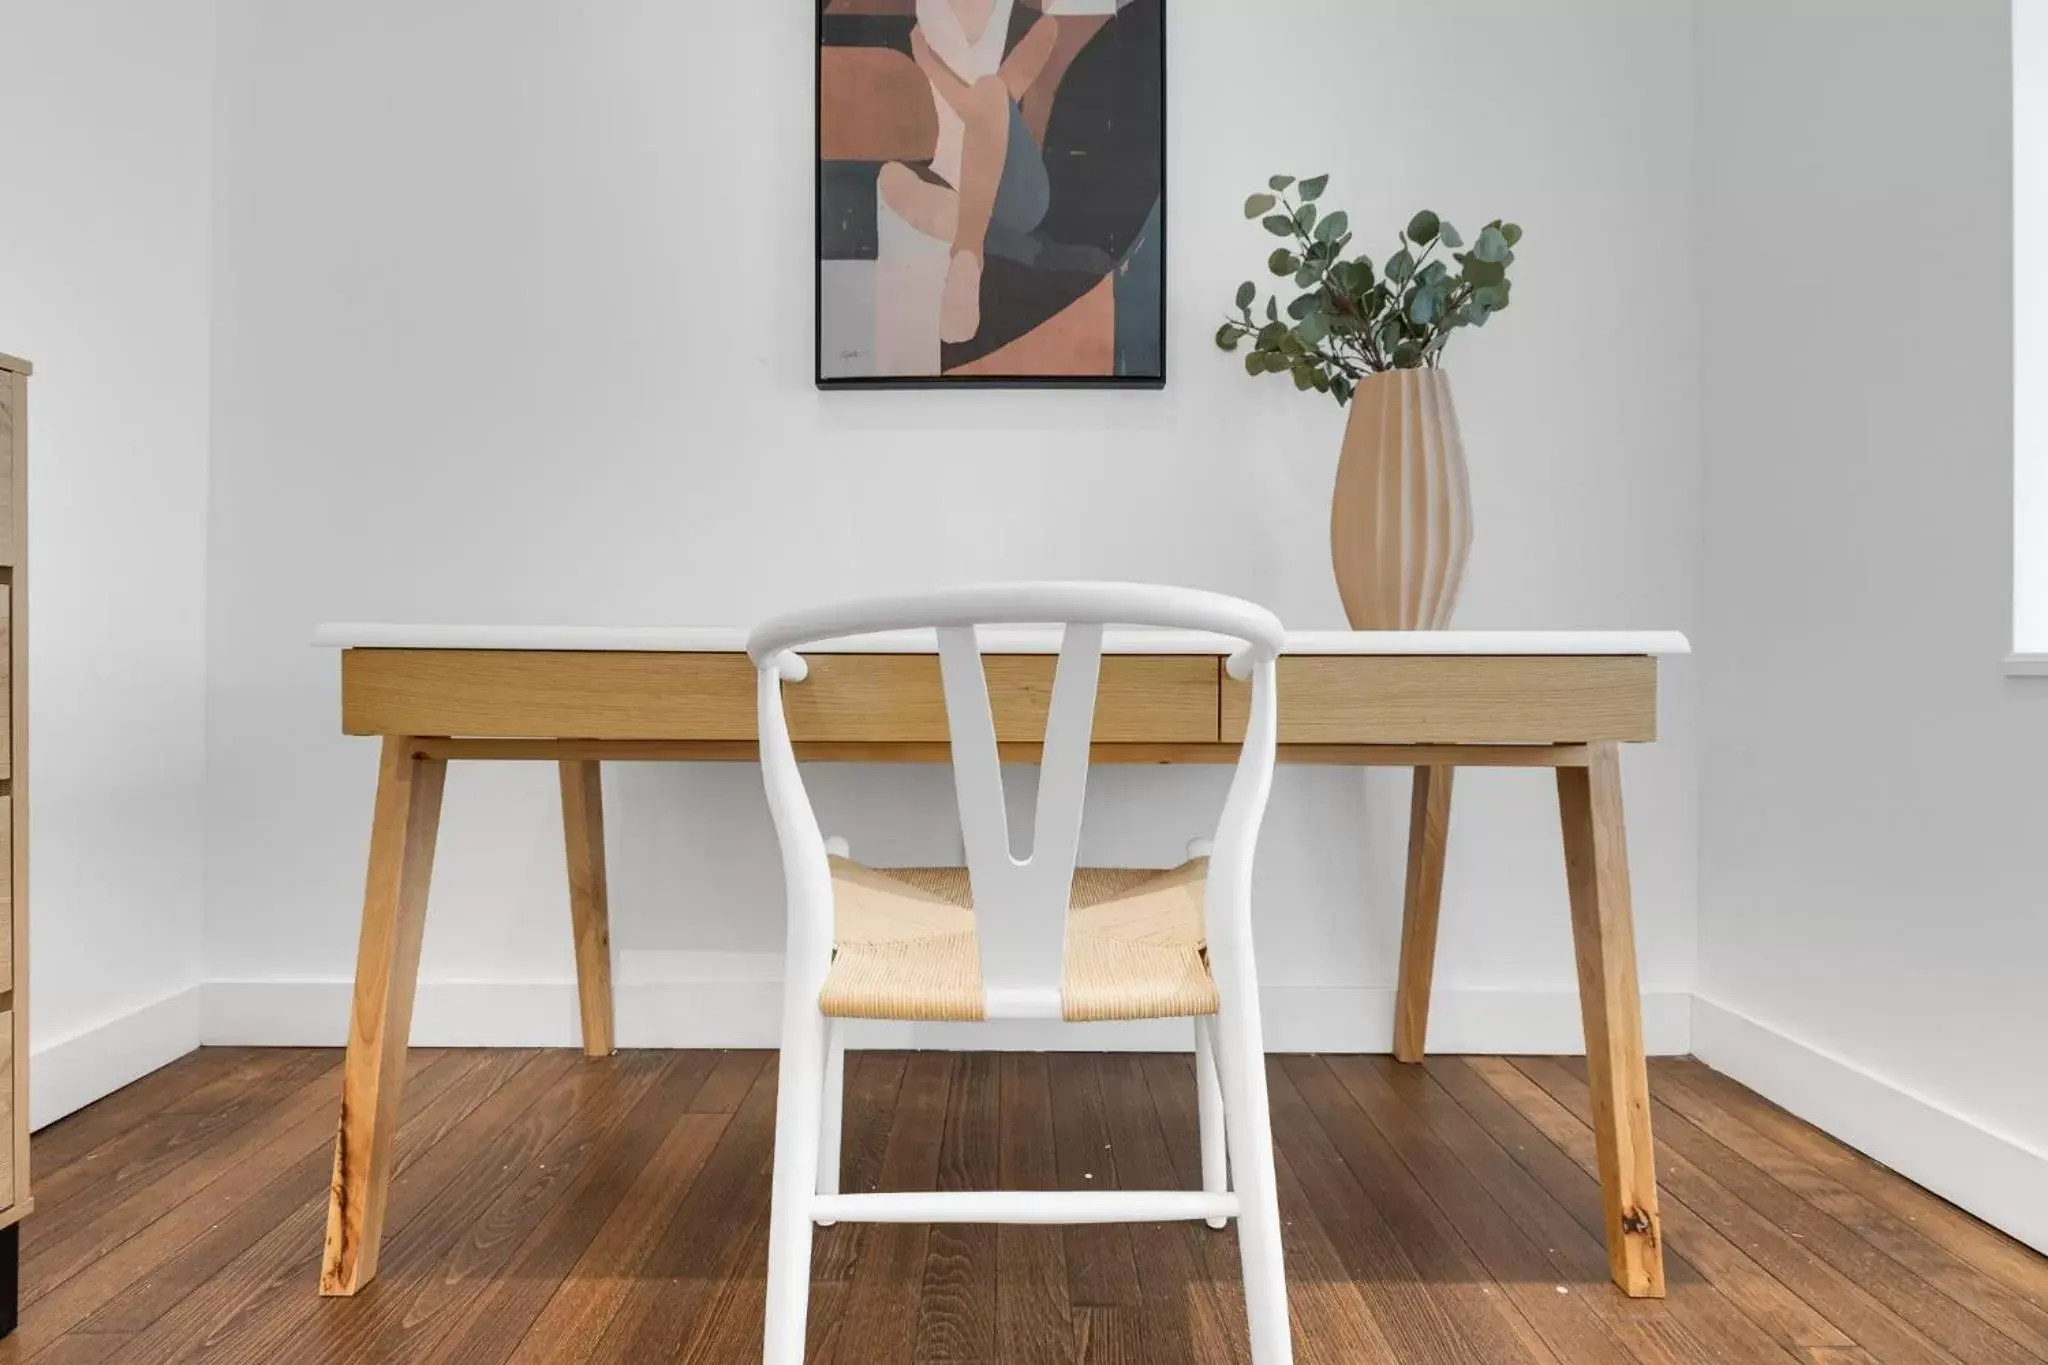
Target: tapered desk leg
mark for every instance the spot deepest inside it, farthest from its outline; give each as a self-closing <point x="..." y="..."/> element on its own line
<point x="1429" y="828"/>
<point x="1603" y="928"/>
<point x="408" y="815"/>
<point x="589" y="908"/>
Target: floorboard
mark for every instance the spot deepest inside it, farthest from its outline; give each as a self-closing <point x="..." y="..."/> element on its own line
<point x="552" y="1208"/>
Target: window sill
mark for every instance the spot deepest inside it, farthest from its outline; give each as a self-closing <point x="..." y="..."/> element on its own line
<point x="2023" y="665"/>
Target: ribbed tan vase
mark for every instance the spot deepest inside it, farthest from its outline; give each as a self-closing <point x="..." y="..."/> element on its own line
<point x="1401" y="516"/>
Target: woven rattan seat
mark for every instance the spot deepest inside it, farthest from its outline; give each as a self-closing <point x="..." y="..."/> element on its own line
<point x="905" y="947"/>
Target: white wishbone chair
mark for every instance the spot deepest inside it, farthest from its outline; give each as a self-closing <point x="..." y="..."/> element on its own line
<point x="1010" y="937"/>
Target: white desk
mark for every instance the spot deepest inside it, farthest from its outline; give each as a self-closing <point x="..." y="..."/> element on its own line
<point x="578" y="696"/>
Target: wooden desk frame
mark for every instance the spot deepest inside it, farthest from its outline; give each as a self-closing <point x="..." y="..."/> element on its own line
<point x="580" y="708"/>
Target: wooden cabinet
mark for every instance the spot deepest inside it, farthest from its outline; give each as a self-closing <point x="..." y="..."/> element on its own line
<point x="15" y="1202"/>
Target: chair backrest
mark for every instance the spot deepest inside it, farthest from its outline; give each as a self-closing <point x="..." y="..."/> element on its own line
<point x="1020" y="903"/>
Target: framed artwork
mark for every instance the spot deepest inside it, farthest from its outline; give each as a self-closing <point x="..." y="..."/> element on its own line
<point x="991" y="192"/>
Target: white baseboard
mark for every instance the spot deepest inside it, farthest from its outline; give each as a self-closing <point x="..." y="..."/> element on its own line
<point x="2001" y="1180"/>
<point x="741" y="1010"/>
<point x="71" y="1072"/>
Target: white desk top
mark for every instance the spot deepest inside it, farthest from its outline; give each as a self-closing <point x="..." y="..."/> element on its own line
<point x="999" y="640"/>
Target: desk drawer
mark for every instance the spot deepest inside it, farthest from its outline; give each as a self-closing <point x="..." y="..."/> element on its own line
<point x="1457" y="699"/>
<point x="848" y="698"/>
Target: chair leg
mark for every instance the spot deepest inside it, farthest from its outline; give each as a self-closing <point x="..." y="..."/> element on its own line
<point x="1242" y="1061"/>
<point x="799" y="1095"/>
<point x="1209" y="1095"/>
<point x="834" y="1110"/>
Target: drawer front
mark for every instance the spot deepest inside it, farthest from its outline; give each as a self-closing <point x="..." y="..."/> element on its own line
<point x="6" y="893"/>
<point x="883" y="698"/>
<point x="12" y="389"/>
<point x="6" y="681"/>
<point x="7" y="1125"/>
<point x="1457" y="699"/>
<point x="848" y="698"/>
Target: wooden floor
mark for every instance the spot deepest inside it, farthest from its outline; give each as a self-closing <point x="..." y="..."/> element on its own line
<point x="551" y="1209"/>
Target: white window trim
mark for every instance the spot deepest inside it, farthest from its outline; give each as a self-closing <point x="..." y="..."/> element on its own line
<point x="2029" y="657"/>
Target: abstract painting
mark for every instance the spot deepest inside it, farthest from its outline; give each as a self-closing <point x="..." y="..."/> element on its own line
<point x="991" y="192"/>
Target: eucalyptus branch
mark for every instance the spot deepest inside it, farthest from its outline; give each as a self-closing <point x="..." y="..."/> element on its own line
<point x="1353" y="321"/>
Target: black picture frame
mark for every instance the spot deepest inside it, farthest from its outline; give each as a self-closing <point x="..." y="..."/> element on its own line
<point x="885" y="382"/>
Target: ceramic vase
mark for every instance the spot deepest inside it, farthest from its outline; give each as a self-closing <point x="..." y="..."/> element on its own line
<point x="1401" y="515"/>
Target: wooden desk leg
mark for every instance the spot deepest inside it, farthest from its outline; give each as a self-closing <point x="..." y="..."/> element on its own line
<point x="1603" y="928"/>
<point x="1429" y="828"/>
<point x="589" y="907"/>
<point x="408" y="815"/>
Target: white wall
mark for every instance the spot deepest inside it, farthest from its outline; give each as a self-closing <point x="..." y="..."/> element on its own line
<point x="1872" y="935"/>
<point x="104" y="285"/>
<point x="510" y="321"/>
<point x="513" y="323"/>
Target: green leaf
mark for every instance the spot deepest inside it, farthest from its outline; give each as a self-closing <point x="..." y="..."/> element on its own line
<point x="1358" y="275"/>
<point x="1227" y="336"/>
<point x="1255" y="363"/>
<point x="1433" y="272"/>
<point x="1279" y="224"/>
<point x="1423" y="228"/>
<point x="1270" y="334"/>
<point x="1258" y="204"/>
<point x="1407" y="355"/>
<point x="1246" y="292"/>
<point x="1478" y="272"/>
<point x="1312" y="329"/>
<point x="1313" y="187"/>
<point x="1491" y="296"/>
<point x="1272" y="310"/>
<point x="1425" y="307"/>
<point x="1342" y="387"/>
<point x="1304" y="378"/>
<point x="1307" y="217"/>
<point x="1400" y="266"/>
<point x="1492" y="246"/>
<point x="1448" y="235"/>
<point x="1279" y="182"/>
<point x="1303" y="306"/>
<point x="1511" y="231"/>
<point x="1283" y="261"/>
<point x="1332" y="227"/>
<point x="1306" y="276"/>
